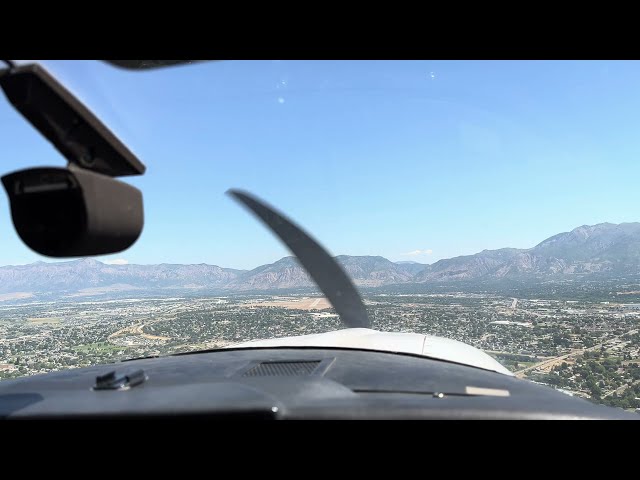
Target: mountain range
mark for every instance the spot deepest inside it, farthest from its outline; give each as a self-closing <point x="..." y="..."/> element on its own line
<point x="605" y="248"/>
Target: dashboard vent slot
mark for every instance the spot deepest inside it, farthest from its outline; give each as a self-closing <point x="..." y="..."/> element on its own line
<point x="283" y="369"/>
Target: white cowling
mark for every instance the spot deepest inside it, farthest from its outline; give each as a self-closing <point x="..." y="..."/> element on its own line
<point x="365" y="338"/>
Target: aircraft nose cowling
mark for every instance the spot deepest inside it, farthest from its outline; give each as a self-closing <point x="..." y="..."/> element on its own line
<point x="366" y="338"/>
<point x="455" y="351"/>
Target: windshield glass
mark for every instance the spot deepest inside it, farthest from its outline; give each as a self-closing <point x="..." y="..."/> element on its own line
<point x="490" y="202"/>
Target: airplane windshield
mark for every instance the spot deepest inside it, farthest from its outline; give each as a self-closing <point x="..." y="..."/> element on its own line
<point x="488" y="202"/>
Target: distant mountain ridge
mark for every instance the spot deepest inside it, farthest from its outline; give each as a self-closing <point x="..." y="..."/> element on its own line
<point x="89" y="273"/>
<point x="602" y="248"/>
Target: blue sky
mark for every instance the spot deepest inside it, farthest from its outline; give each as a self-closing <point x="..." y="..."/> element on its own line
<point x="409" y="160"/>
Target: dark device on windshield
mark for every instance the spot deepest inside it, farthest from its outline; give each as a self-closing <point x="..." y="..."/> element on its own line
<point x="80" y="210"/>
<point x="73" y="212"/>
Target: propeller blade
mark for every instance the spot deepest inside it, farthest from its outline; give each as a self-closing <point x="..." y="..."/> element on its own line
<point x="319" y="264"/>
<point x="147" y="64"/>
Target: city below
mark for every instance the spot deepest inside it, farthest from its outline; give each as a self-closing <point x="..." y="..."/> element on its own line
<point x="586" y="346"/>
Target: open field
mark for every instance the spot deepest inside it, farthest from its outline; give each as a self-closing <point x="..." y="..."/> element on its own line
<point x="43" y="320"/>
<point x="312" y="303"/>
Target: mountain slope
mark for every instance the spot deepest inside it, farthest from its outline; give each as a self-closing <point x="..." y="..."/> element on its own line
<point x="287" y="273"/>
<point x="88" y="273"/>
<point x="411" y="267"/>
<point x="603" y="248"/>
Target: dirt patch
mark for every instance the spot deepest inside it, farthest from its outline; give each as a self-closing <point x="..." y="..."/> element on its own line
<point x="43" y="320"/>
<point x="14" y="296"/>
<point x="137" y="330"/>
<point x="313" y="303"/>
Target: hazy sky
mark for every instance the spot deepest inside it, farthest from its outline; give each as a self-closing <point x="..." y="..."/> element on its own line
<point x="409" y="160"/>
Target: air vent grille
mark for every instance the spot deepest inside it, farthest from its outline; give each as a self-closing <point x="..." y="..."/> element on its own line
<point x="282" y="369"/>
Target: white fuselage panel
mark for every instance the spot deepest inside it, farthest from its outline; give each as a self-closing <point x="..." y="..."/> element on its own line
<point x="365" y="338"/>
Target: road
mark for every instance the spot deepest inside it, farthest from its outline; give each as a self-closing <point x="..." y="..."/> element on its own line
<point x="557" y="360"/>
